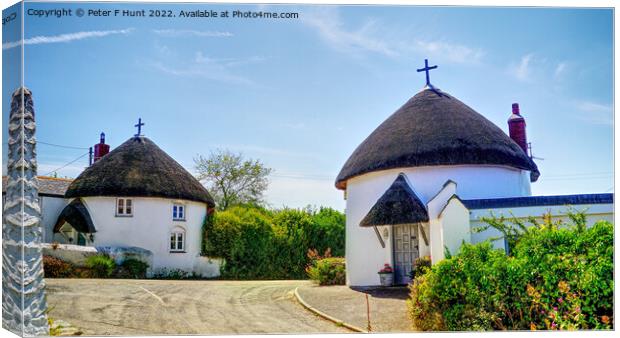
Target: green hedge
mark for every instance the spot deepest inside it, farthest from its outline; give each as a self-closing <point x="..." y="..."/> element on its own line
<point x="555" y="278"/>
<point x="328" y="271"/>
<point x="257" y="243"/>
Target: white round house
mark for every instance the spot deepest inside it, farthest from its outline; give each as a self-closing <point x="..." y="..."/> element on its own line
<point x="137" y="196"/>
<point x="400" y="178"/>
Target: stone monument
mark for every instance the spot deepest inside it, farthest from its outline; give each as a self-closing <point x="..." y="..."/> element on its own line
<point x="23" y="288"/>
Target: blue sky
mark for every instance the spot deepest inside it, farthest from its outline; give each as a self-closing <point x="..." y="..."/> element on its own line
<point x="301" y="94"/>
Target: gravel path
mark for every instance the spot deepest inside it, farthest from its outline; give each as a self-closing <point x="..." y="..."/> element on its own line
<point x="153" y="307"/>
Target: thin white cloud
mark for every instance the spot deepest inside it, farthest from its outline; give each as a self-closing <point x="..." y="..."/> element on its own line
<point x="522" y="70"/>
<point x="254" y="149"/>
<point x="560" y="69"/>
<point x="43" y="39"/>
<point x="221" y="70"/>
<point x="375" y="37"/>
<point x="190" y="33"/>
<point x="331" y="29"/>
<point x="595" y="113"/>
<point x="450" y="51"/>
<point x="593" y="106"/>
<point x="295" y="125"/>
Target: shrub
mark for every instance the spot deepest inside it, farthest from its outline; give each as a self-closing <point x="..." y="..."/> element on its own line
<point x="165" y="273"/>
<point x="328" y="271"/>
<point x="330" y="230"/>
<point x="257" y="243"/>
<point x="56" y="268"/>
<point x="557" y="277"/>
<point x="421" y="266"/>
<point x="131" y="268"/>
<point x="101" y="266"/>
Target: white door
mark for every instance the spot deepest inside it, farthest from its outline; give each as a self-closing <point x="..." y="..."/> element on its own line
<point x="406" y="250"/>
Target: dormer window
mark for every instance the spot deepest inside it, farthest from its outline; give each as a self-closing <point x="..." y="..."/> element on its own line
<point x="178" y="212"/>
<point x="124" y="207"/>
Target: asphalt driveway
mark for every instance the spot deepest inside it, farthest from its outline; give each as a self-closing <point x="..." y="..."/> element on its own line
<point x="153" y="307"/>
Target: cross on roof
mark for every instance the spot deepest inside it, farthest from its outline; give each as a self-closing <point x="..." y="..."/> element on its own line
<point x="139" y="126"/>
<point x="426" y="69"/>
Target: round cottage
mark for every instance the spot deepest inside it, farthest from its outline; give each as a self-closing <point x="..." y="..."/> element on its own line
<point x="139" y="168"/>
<point x="433" y="128"/>
<point x="138" y="196"/>
<point x="428" y="147"/>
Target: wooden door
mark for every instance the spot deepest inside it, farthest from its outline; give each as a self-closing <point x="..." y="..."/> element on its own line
<point x="406" y="250"/>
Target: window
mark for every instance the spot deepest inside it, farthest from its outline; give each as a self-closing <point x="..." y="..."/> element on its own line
<point x="178" y="212"/>
<point x="124" y="207"/>
<point x="177" y="241"/>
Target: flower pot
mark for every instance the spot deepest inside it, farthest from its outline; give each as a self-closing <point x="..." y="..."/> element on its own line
<point x="387" y="279"/>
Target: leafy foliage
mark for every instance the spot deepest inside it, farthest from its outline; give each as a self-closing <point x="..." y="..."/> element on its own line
<point x="421" y="266"/>
<point x="101" y="266"/>
<point x="173" y="274"/>
<point x="257" y="243"/>
<point x="56" y="268"/>
<point x="328" y="271"/>
<point x="131" y="268"/>
<point x="558" y="276"/>
<point x="232" y="179"/>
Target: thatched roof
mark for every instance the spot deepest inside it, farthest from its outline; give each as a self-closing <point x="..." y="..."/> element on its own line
<point x="398" y="205"/>
<point x="434" y="128"/>
<point x="139" y="168"/>
<point x="77" y="215"/>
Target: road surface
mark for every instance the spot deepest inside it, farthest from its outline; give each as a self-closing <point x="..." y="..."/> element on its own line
<point x="155" y="307"/>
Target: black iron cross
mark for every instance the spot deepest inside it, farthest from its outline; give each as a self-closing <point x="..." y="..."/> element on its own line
<point x="139" y="126"/>
<point x="426" y="69"/>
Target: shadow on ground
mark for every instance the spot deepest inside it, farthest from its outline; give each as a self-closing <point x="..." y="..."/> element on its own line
<point x="393" y="292"/>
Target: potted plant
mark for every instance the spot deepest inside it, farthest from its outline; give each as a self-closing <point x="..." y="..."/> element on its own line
<point x="386" y="275"/>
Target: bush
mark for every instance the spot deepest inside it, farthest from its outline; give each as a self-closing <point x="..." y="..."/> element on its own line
<point x="165" y="273"/>
<point x="421" y="266"/>
<point x="261" y="244"/>
<point x="131" y="268"/>
<point x="56" y="268"/>
<point x="328" y="271"/>
<point x="330" y="230"/>
<point x="101" y="266"/>
<point x="557" y="277"/>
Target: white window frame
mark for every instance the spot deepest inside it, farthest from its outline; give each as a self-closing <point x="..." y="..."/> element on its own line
<point x="177" y="207"/>
<point x="122" y="211"/>
<point x="173" y="240"/>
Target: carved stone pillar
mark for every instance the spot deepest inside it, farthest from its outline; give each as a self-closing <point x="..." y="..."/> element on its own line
<point x="23" y="288"/>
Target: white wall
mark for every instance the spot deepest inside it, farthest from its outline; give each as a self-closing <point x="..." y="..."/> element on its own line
<point x="454" y="223"/>
<point x="435" y="207"/>
<point x="365" y="256"/>
<point x="51" y="207"/>
<point x="149" y="228"/>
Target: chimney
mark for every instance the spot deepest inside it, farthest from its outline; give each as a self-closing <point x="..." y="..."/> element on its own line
<point x="516" y="127"/>
<point x="101" y="149"/>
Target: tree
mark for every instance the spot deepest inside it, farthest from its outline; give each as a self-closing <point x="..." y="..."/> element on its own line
<point x="23" y="288"/>
<point x="231" y="179"/>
